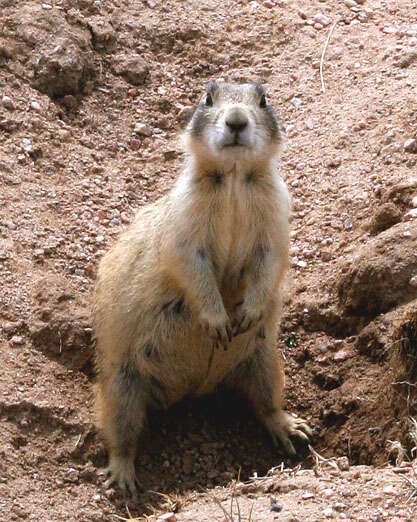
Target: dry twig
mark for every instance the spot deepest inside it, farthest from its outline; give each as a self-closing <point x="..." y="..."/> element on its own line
<point x="323" y="88"/>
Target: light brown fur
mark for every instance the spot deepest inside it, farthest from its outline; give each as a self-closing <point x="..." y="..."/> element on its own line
<point x="209" y="255"/>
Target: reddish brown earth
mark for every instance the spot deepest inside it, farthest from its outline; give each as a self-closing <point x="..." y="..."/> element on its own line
<point x="93" y="95"/>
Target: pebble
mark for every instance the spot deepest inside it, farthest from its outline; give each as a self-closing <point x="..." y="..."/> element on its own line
<point x="413" y="282"/>
<point x="35" y="106"/>
<point x="328" y="512"/>
<point x="135" y="144"/>
<point x="347" y="224"/>
<point x="8" y="103"/>
<point x="410" y="145"/>
<point x="343" y="463"/>
<point x="16" y="339"/>
<point x="27" y="145"/>
<point x="342" y="355"/>
<point x="307" y="495"/>
<point x="350" y="3"/>
<point x="411" y="214"/>
<point x="276" y="508"/>
<point x="322" y="19"/>
<point x="143" y="129"/>
<point x="327" y="493"/>
<point x="389" y="30"/>
<point x="389" y="490"/>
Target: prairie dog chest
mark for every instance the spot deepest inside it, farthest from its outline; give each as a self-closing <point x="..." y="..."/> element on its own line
<point x="236" y="220"/>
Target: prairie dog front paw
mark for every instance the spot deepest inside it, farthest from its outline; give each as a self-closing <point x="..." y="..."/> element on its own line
<point x="246" y="316"/>
<point x="216" y="325"/>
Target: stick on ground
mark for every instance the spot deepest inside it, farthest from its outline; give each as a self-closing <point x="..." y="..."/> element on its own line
<point x="323" y="88"/>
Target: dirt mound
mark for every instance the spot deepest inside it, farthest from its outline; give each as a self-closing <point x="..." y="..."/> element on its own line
<point x="379" y="277"/>
<point x="61" y="326"/>
<point x="385" y="217"/>
<point x="44" y="48"/>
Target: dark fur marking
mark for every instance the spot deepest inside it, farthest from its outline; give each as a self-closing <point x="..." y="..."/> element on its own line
<point x="218" y="178"/>
<point x="158" y="392"/>
<point x="148" y="349"/>
<point x="259" y="89"/>
<point x="250" y="177"/>
<point x="261" y="251"/>
<point x="202" y="254"/>
<point x="176" y="306"/>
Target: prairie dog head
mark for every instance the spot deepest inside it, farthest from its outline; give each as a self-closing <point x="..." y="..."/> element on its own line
<point x="234" y="122"/>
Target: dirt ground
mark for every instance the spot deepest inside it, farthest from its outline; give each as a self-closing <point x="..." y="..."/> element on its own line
<point x="93" y="95"/>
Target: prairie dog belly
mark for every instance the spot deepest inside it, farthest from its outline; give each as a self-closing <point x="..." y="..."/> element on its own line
<point x="191" y="364"/>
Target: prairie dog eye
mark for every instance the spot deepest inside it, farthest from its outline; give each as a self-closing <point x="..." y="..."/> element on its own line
<point x="262" y="103"/>
<point x="209" y="100"/>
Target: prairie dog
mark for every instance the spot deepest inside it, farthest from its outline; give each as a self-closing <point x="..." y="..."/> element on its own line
<point x="189" y="297"/>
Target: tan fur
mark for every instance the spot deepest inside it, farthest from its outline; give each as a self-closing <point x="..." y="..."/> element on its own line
<point x="201" y="244"/>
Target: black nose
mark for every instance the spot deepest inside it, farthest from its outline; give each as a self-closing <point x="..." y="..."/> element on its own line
<point x="236" y="124"/>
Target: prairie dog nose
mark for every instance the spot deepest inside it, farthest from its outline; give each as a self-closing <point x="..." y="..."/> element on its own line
<point x="236" y="121"/>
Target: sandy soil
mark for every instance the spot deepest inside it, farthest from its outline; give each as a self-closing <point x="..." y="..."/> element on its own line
<point x="93" y="95"/>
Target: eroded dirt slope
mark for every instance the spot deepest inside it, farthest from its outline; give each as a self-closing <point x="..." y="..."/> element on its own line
<point x="93" y="95"/>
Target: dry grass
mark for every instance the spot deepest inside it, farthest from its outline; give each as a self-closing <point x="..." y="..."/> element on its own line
<point x="401" y="455"/>
<point x="232" y="515"/>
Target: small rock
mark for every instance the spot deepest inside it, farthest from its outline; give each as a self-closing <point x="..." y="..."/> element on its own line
<point x="411" y="214"/>
<point x="322" y="19"/>
<point x="328" y="512"/>
<point x="276" y="508"/>
<point x="411" y="145"/>
<point x="27" y="145"/>
<point x="343" y="463"/>
<point x="35" y="106"/>
<point x="327" y="493"/>
<point x="342" y="355"/>
<point x="307" y="495"/>
<point x="133" y="68"/>
<point x="339" y="506"/>
<point x="389" y="490"/>
<point x="16" y="339"/>
<point x="8" y="103"/>
<point x="389" y="30"/>
<point x="104" y="36"/>
<point x="347" y="224"/>
<point x="135" y="144"/>
<point x="143" y="129"/>
<point x="413" y="282"/>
